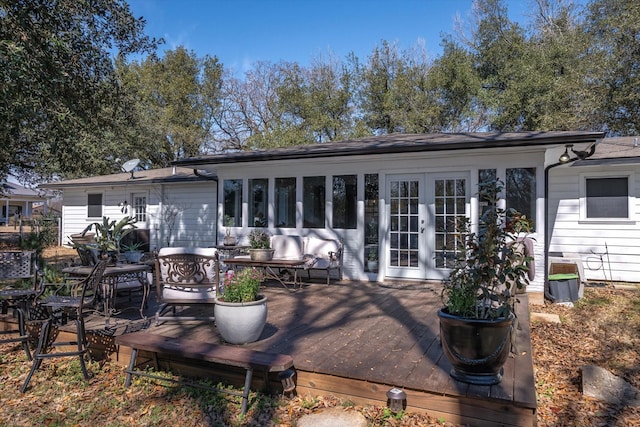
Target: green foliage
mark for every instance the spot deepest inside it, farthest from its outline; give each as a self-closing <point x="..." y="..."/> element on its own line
<point x="259" y="239"/>
<point x="110" y="232"/>
<point x="487" y="273"/>
<point x="241" y="286"/>
<point x="61" y="101"/>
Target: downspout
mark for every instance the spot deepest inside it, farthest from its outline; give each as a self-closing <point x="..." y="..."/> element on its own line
<point x="565" y="159"/>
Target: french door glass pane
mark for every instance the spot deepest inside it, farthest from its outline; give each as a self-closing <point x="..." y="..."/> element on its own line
<point x="450" y="202"/>
<point x="404" y="234"/>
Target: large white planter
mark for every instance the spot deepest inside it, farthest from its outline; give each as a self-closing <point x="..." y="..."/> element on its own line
<point x="241" y="322"/>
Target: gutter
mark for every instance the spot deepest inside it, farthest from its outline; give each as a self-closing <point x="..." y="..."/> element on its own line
<point x="580" y="155"/>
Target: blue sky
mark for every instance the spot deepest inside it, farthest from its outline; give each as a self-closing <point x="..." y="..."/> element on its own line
<point x="241" y="32"/>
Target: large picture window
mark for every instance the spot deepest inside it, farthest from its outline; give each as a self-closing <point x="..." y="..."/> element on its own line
<point x="258" y="202"/>
<point x="607" y="197"/>
<point x="232" y="202"/>
<point x="313" y="201"/>
<point x="94" y="205"/>
<point x="521" y="192"/>
<point x="345" y="199"/>
<point x="285" y="203"/>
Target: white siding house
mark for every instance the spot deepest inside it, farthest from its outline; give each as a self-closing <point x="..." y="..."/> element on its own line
<point x="392" y="195"/>
<point x="174" y="207"/>
<point x="594" y="205"/>
<point x="390" y="198"/>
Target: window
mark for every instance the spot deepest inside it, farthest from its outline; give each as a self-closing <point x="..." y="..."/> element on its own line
<point x="94" y="205"/>
<point x="232" y="202"/>
<point x="313" y="201"/>
<point x="140" y="207"/>
<point x="607" y="197"/>
<point x="371" y="221"/>
<point x="345" y="199"/>
<point x="521" y="192"/>
<point x="285" y="203"/>
<point x="258" y="202"/>
<point x="485" y="175"/>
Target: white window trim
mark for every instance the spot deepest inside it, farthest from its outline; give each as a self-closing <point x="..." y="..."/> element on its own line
<point x="93" y="218"/>
<point x="631" y="217"/>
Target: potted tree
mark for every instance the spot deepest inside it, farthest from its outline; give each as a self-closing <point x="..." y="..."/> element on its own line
<point x="240" y="311"/>
<point x="260" y="242"/>
<point x="477" y="320"/>
<point x="372" y="260"/>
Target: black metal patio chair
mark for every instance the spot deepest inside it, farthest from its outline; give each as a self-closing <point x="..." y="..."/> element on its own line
<point x="16" y="267"/>
<point x="83" y="294"/>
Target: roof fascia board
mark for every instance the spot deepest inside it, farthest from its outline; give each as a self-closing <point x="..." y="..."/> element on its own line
<point x="125" y="183"/>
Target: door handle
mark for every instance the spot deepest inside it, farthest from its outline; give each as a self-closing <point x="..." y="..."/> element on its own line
<point x="421" y="230"/>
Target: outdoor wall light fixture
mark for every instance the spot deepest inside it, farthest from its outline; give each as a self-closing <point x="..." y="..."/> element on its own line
<point x="564" y="158"/>
<point x="396" y="400"/>
<point x="581" y="155"/>
<point x="286" y="378"/>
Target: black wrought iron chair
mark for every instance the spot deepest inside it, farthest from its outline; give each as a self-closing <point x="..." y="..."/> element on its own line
<point x="82" y="295"/>
<point x="186" y="277"/>
<point x="16" y="267"/>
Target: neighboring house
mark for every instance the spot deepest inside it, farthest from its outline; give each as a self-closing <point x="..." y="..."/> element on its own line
<point x="173" y="206"/>
<point x="392" y="197"/>
<point x="18" y="201"/>
<point x="594" y="206"/>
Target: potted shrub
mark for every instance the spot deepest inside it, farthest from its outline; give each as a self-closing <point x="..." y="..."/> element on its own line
<point x="132" y="252"/>
<point x="372" y="260"/>
<point x="477" y="320"/>
<point x="109" y="233"/>
<point x="260" y="242"/>
<point x="240" y="311"/>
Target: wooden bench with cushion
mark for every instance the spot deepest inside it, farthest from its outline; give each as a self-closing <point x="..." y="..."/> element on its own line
<point x="317" y="253"/>
<point x="185" y="348"/>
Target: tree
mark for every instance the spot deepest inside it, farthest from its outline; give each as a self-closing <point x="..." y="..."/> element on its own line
<point x="319" y="101"/>
<point x="176" y="95"/>
<point x="59" y="91"/>
<point x="613" y="64"/>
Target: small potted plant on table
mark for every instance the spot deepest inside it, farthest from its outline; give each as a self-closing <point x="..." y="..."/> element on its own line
<point x="132" y="252"/>
<point x="477" y="321"/>
<point x="240" y="311"/>
<point x="260" y="242"/>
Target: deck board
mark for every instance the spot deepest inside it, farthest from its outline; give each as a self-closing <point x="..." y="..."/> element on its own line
<point x="359" y="339"/>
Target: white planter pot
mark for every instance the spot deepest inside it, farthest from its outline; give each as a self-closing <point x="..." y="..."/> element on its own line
<point x="241" y="322"/>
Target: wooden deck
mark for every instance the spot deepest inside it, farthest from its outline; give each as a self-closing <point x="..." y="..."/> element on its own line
<point x="357" y="340"/>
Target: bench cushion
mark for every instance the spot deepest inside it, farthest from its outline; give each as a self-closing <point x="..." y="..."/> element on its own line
<point x="321" y="253"/>
<point x="288" y="247"/>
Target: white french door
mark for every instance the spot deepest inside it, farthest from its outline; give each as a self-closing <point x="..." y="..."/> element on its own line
<point x="422" y="213"/>
<point x="406" y="226"/>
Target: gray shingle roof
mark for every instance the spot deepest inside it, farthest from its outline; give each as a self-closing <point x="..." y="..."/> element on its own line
<point x="398" y="143"/>
<point x="141" y="177"/>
